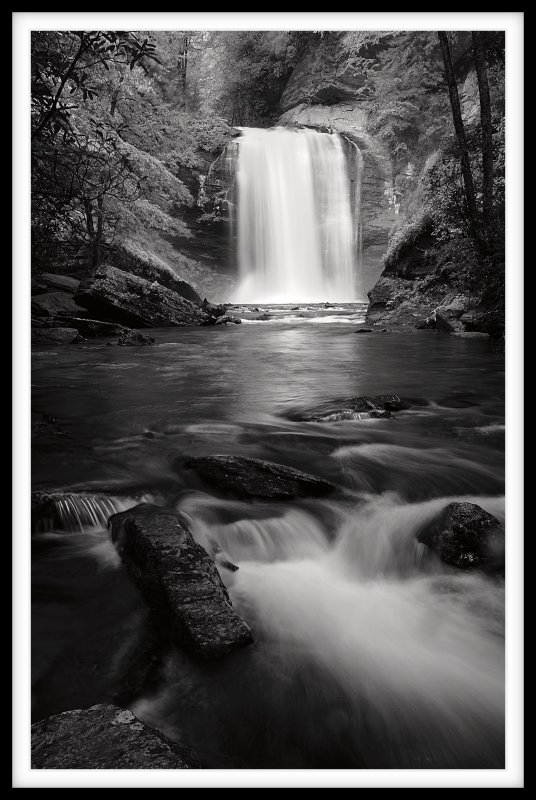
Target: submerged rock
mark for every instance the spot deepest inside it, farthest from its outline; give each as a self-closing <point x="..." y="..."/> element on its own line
<point x="104" y="737"/>
<point x="253" y="477"/>
<point x="179" y="581"/>
<point x="467" y="537"/>
<point x="119" y="296"/>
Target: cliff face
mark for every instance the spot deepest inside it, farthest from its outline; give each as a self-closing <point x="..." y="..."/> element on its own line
<point x="407" y="282"/>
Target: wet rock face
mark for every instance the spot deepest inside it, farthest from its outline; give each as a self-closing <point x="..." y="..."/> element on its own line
<point x="104" y="737"/>
<point x="254" y="478"/>
<point x="467" y="537"/>
<point x="121" y="297"/>
<point x="179" y="581"/>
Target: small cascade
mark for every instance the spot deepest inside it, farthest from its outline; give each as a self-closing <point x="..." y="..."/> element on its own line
<point x="77" y="512"/>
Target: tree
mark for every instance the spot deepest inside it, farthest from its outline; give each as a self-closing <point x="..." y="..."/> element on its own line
<point x="479" y="50"/>
<point x="465" y="163"/>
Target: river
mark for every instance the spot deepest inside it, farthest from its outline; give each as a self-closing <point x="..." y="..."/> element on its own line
<point x="368" y="652"/>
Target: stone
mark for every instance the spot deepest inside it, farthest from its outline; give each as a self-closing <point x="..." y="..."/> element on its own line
<point x="428" y="323"/>
<point x="228" y="318"/>
<point x="179" y="580"/>
<point x="466" y="536"/>
<point x="96" y="327"/>
<point x="119" y="296"/>
<point x="134" y="338"/>
<point x="128" y="261"/>
<point x="63" y="283"/>
<point x="255" y="478"/>
<point x="104" y="737"/>
<point x="54" y="304"/>
<point x="362" y="407"/>
<point x="55" y="335"/>
<point x="471" y="335"/>
<point x="214" y="310"/>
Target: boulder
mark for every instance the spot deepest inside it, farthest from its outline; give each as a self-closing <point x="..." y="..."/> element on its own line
<point x="255" y="478"/>
<point x="48" y="280"/>
<point x="55" y="335"/>
<point x="228" y="318"/>
<point x="119" y="296"/>
<point x="364" y="330"/>
<point x="104" y="737"/>
<point x="214" y="310"/>
<point x="54" y="304"/>
<point x="128" y="261"/>
<point x="179" y="581"/>
<point x="467" y="537"/>
<point x="134" y="338"/>
<point x="448" y="316"/>
<point x="428" y="323"/>
<point x="96" y="327"/>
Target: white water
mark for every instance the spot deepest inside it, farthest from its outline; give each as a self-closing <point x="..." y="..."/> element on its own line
<point x="298" y="223"/>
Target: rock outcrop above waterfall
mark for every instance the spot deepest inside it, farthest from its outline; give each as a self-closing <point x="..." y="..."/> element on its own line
<point x="120" y="296"/>
<point x="179" y="580"/>
<point x="323" y="76"/>
<point x="466" y="536"/>
<point x="104" y="737"/>
<point x="255" y="478"/>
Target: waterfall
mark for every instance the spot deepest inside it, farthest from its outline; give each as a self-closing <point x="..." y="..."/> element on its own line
<point x="298" y="217"/>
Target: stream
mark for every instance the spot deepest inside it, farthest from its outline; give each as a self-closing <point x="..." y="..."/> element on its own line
<point x="369" y="652"/>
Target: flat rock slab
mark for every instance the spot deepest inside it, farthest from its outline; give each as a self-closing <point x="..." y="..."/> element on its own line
<point x="179" y="580"/>
<point x="104" y="737"/>
<point x="255" y="478"/>
<point x="466" y="536"/>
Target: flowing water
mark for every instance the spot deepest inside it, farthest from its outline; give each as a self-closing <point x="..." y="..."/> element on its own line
<point x="368" y="651"/>
<point x="298" y="218"/>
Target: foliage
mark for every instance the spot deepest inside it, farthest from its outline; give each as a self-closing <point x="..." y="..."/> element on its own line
<point x="108" y="142"/>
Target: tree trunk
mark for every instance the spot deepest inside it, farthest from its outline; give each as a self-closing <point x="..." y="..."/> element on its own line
<point x="92" y="234"/>
<point x="99" y="231"/>
<point x="486" y="127"/>
<point x="460" y="134"/>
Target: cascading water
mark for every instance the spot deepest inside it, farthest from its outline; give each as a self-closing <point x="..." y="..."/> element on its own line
<point x="298" y="217"/>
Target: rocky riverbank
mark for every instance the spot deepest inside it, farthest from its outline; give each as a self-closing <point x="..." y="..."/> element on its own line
<point x="125" y="292"/>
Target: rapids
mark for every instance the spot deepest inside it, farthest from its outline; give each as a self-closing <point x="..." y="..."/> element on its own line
<point x="368" y="652"/>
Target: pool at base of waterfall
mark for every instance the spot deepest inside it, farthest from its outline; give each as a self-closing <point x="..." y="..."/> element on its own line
<point x="368" y="652"/>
